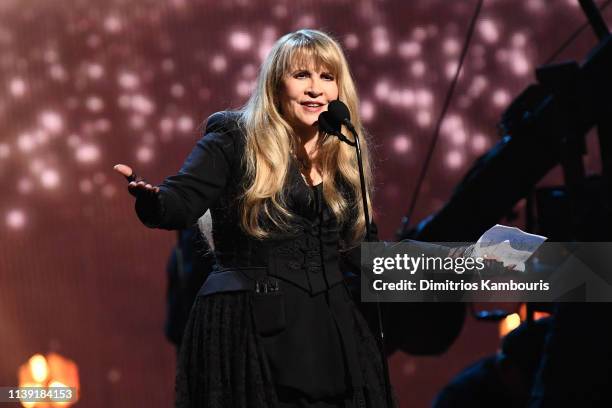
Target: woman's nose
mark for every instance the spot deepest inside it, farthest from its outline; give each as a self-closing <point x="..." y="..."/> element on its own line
<point x="314" y="89"/>
<point x="313" y="93"/>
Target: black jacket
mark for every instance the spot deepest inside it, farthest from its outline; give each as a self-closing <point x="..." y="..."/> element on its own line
<point x="302" y="309"/>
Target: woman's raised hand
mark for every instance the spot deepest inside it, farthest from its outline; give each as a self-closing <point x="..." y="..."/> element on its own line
<point x="137" y="185"/>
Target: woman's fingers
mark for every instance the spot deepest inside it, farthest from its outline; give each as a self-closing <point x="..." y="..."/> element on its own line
<point x="124" y="170"/>
<point x="136" y="184"/>
<point x="139" y="187"/>
<point x="142" y="186"/>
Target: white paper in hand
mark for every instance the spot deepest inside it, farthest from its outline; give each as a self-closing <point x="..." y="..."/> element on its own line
<point x="509" y="245"/>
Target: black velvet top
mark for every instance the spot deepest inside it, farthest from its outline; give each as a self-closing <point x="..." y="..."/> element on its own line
<point x="315" y="350"/>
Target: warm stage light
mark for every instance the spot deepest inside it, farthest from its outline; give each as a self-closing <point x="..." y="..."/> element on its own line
<point x="510" y="323"/>
<point x="53" y="370"/>
<point x="38" y="368"/>
<point x="515" y="319"/>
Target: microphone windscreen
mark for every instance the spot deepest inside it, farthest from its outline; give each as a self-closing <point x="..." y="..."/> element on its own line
<point x="327" y="124"/>
<point x="339" y="111"/>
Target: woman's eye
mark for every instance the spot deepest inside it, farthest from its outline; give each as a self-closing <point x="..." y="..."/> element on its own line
<point x="328" y="77"/>
<point x="302" y="74"/>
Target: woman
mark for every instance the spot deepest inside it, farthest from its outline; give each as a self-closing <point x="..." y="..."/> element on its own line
<point x="274" y="325"/>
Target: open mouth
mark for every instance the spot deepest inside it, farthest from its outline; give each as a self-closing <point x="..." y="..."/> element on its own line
<point x="312" y="106"/>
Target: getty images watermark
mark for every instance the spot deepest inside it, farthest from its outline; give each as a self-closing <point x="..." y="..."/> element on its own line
<point x="412" y="271"/>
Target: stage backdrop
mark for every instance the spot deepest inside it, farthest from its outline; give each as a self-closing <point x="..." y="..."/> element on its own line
<point x="85" y="84"/>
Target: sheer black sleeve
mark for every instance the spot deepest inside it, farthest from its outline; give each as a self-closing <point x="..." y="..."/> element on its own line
<point x="185" y="197"/>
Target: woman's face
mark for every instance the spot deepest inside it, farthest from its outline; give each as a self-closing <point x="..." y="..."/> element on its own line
<point x="304" y="93"/>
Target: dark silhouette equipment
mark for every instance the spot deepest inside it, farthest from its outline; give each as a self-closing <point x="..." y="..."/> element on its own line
<point x="545" y="126"/>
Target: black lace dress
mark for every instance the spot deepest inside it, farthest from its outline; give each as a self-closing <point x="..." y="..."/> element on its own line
<point x="274" y="325"/>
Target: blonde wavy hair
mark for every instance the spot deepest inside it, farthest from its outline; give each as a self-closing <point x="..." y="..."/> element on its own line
<point x="271" y="142"/>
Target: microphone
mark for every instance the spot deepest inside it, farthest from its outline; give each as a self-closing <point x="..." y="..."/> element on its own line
<point x="327" y="124"/>
<point x="331" y="121"/>
<point x="340" y="114"/>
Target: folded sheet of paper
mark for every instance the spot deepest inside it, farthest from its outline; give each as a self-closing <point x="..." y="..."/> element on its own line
<point x="509" y="245"/>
